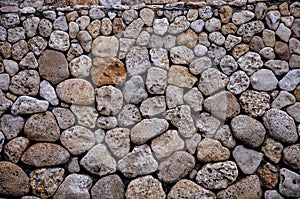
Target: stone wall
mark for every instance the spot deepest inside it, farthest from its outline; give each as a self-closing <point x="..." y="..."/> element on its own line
<point x="157" y="100"/>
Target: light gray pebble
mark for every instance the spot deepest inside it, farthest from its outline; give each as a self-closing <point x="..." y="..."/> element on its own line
<point x="73" y="165"/>
<point x="263" y="80"/>
<point x="289" y="183"/>
<point x="224" y="135"/>
<point x="181" y="55"/>
<point x="232" y="41"/>
<point x="60" y="23"/>
<point x="205" y="12"/>
<point x="133" y="30"/>
<point x="118" y="141"/>
<point x="134" y="90"/>
<point x="83" y="22"/>
<point x="197" y="25"/>
<point x="279" y="67"/>
<point x="272" y="19"/>
<point x="217" y="38"/>
<point x="250" y="62"/>
<point x="213" y="24"/>
<point x="267" y="53"/>
<point x="179" y="25"/>
<point x="85" y="115"/>
<point x="216" y="53"/>
<point x="4" y="81"/>
<point x="160" y="26"/>
<point x="228" y="65"/>
<point x="99" y="136"/>
<point x="159" y="57"/>
<point x="11" y="126"/>
<point x="174" y="96"/>
<point x="129" y="115"/>
<point x="11" y="67"/>
<point x="59" y="40"/>
<point x="65" y="118"/>
<point x="73" y="30"/>
<point x="96" y="13"/>
<point x="249" y="29"/>
<point x="31" y="26"/>
<point x="239" y="18"/>
<point x="29" y="105"/>
<point x="207" y="125"/>
<point x="200" y="50"/>
<point x="238" y="82"/>
<point x="153" y="106"/>
<point x="272" y="194"/>
<point x="15" y="34"/>
<point x="291" y="156"/>
<point x="45" y="28"/>
<point x="143" y="39"/>
<point x="137" y="61"/>
<point x="48" y="93"/>
<point x="29" y="61"/>
<point x="294" y="111"/>
<point x="108" y="187"/>
<point x="192" y="143"/>
<point x="2" y="140"/>
<point x="49" y="14"/>
<point x="194" y="99"/>
<point x="156" y="81"/>
<point x="169" y="41"/>
<point x="283" y="99"/>
<point x="198" y="65"/>
<point x="290" y="81"/>
<point x="107" y="122"/>
<point x="3" y="34"/>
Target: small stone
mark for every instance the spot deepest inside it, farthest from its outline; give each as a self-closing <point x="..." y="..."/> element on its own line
<point x="169" y="41"/>
<point x="189" y="39"/>
<point x="28" y="105"/>
<point x="83" y="22"/>
<point x="279" y="67"/>
<point x="118" y="141"/>
<point x="210" y="150"/>
<point x="181" y="55"/>
<point x="94" y="28"/>
<point x="267" y="53"/>
<point x="105" y="46"/>
<point x="211" y="81"/>
<point x="99" y="161"/>
<point x="53" y="70"/>
<point x="213" y="24"/>
<point x="31" y="26"/>
<point x="294" y="9"/>
<point x="5" y="103"/>
<point x="74" y="51"/>
<point x="159" y="57"/>
<point x="250" y="62"/>
<point x="73" y="165"/>
<point x="153" y="106"/>
<point x="248" y="160"/>
<point x="288" y="21"/>
<point x="143" y="39"/>
<point x="19" y="50"/>
<point x="283" y="99"/>
<point x="181" y="118"/>
<point x="5" y="49"/>
<point x="186" y="188"/>
<point x="59" y="40"/>
<point x="263" y="80"/>
<point x="160" y="26"/>
<point x="217" y="38"/>
<point x="289" y="183"/>
<point x="108" y="187"/>
<point x="3" y="34"/>
<point x="134" y="91"/>
<point x="194" y="99"/>
<point x="133" y="30"/>
<point x="144" y="187"/>
<point x="239" y="50"/>
<point x="200" y="50"/>
<point x="294" y="111"/>
<point x="283" y="32"/>
<point x="228" y="65"/>
<point x="125" y="45"/>
<point x="29" y="61"/>
<point x="65" y="118"/>
<point x="269" y="38"/>
<point x="15" y="34"/>
<point x="238" y="82"/>
<point x="109" y="100"/>
<point x="96" y="13"/>
<point x="290" y="81"/>
<point x="138" y="162"/>
<point x="129" y="16"/>
<point x="86" y="116"/>
<point x="229" y="28"/>
<point x="74" y="185"/>
<point x="49" y="14"/>
<point x="224" y="135"/>
<point x="73" y="30"/>
<point x="248" y="30"/>
<point x="239" y="18"/>
<point x="14" y="149"/>
<point x="42" y="127"/>
<point x="45" y="154"/>
<point x="294" y="46"/>
<point x="225" y="13"/>
<point x="179" y="25"/>
<point x="104" y="122"/>
<point x="44" y="182"/>
<point x="14" y="181"/>
<point x="85" y="40"/>
<point x="260" y="10"/>
<point x="255" y="103"/>
<point x="272" y="150"/>
<point x="156" y="81"/>
<point x="4" y="82"/>
<point x="25" y="82"/>
<point x="129" y="115"/>
<point x="147" y="15"/>
<point x="80" y="66"/>
<point x="295" y="27"/>
<point x="197" y="25"/>
<point x="11" y="126"/>
<point x="175" y="167"/>
<point x="137" y="61"/>
<point x="248" y="187"/>
<point x="205" y="12"/>
<point x="282" y="50"/>
<point x="272" y="194"/>
<point x="256" y="44"/>
<point x="174" y="96"/>
<point x="9" y="20"/>
<point x="217" y="175"/>
<point x="216" y="53"/>
<point x="272" y="19"/>
<point x="207" y="125"/>
<point x="180" y="76"/>
<point x="291" y="156"/>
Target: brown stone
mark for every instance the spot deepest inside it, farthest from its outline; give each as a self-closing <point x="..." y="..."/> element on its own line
<point x="268" y="175"/>
<point x="239" y="50"/>
<point x="19" y="50"/>
<point x="13" y="180"/>
<point x="256" y="44"/>
<point x="5" y="49"/>
<point x="108" y="71"/>
<point x="76" y="91"/>
<point x="282" y="50"/>
<point x="189" y="38"/>
<point x="118" y="27"/>
<point x="53" y="66"/>
<point x="272" y="150"/>
<point x="14" y="149"/>
<point x="297" y="93"/>
<point x="229" y="28"/>
<point x="210" y="150"/>
<point x="84" y="2"/>
<point x="45" y="154"/>
<point x="225" y="14"/>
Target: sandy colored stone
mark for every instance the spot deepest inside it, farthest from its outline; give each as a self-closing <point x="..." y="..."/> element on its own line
<point x="70" y="91"/>
<point x="210" y="150"/>
<point x="109" y="100"/>
<point x="118" y="141"/>
<point x="180" y="76"/>
<point x="272" y="150"/>
<point x="14" y="149"/>
<point x="105" y="46"/>
<point x="11" y="125"/>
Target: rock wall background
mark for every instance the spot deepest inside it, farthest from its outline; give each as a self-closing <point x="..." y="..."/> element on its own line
<point x="181" y="100"/>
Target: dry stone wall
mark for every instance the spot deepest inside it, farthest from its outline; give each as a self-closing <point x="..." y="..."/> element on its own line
<point x="100" y="99"/>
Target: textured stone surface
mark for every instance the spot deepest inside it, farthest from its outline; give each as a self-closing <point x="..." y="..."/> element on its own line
<point x="14" y="149"/>
<point x="118" y="141"/>
<point x="210" y="150"/>
<point x="86" y="116"/>
<point x="268" y="174"/>
<point x="288" y="184"/>
<point x="29" y="105"/>
<point x="108" y="187"/>
<point x="11" y="125"/>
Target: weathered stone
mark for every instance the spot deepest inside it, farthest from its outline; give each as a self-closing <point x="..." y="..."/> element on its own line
<point x="44" y="182"/>
<point x="42" y="127"/>
<point x="194" y="99"/>
<point x="73" y="30"/>
<point x="182" y="119"/>
<point x="256" y="44"/>
<point x="137" y="61"/>
<point x="4" y="82"/>
<point x="59" y="40"/>
<point x="192" y="143"/>
<point x="225" y="13"/>
<point x="94" y="28"/>
<point x="239" y="18"/>
<point x="268" y="175"/>
<point x="294" y="61"/>
<point x="290" y="81"/>
<point x="99" y="161"/>
<point x="272" y="150"/>
<point x="159" y="57"/>
<point x="217" y="38"/>
<point x="269" y="38"/>
<point x="133" y="30"/>
<point x="104" y="122"/>
<point x="216" y="53"/>
<point x="207" y="125"/>
<point x="53" y="70"/>
<point x="105" y="46"/>
<point x="175" y="167"/>
<point x="272" y="19"/>
<point x="248" y="30"/>
<point x="144" y="187"/>
<point x="11" y="125"/>
<point x="224" y="135"/>
<point x="248" y="187"/>
<point x="267" y="53"/>
<point x="189" y="39"/>
<point x="280" y="125"/>
<point x="289" y="183"/>
<point x="197" y="25"/>
<point x="180" y="76"/>
<point x="125" y="45"/>
<point x="29" y="61"/>
<point x="60" y="23"/>
<point x="80" y="66"/>
<point x="15" y="34"/>
<point x="153" y="106"/>
<point x="295" y="27"/>
<point x="250" y="62"/>
<point x="45" y="154"/>
<point x="279" y="67"/>
<point x="31" y="26"/>
<point x="272" y="194"/>
<point x="217" y="175"/>
<point x="283" y="99"/>
<point x="283" y="32"/>
<point x="239" y="50"/>
<point x="86" y="116"/>
<point x="210" y="150"/>
<point x="85" y="40"/>
<point x="9" y="20"/>
<point x="282" y="50"/>
<point x="118" y="141"/>
<point x="263" y="80"/>
<point x="65" y="118"/>
<point x="14" y="181"/>
<point x="160" y="26"/>
<point x="134" y="91"/>
<point x="129" y="115"/>
<point x="74" y="186"/>
<point x="229" y="28"/>
<point x="223" y="105"/>
<point x="74" y="51"/>
<point x="291" y="156"/>
<point x="156" y="81"/>
<point x="238" y="82"/>
<point x="73" y="165"/>
<point x="28" y="105"/>
<point x="25" y="82"/>
<point x="143" y="39"/>
<point x="179" y="25"/>
<point x="138" y="162"/>
<point x="147" y="15"/>
<point x="108" y="187"/>
<point x="213" y="24"/>
<point x="181" y="55"/>
<point x="14" y="149"/>
<point x="19" y="50"/>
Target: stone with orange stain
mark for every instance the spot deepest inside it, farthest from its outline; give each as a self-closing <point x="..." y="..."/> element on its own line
<point x="210" y="150"/>
<point x="84" y="2"/>
<point x="108" y="71"/>
<point x="268" y="174"/>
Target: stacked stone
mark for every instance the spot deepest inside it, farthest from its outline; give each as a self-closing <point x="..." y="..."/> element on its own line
<point x="184" y="100"/>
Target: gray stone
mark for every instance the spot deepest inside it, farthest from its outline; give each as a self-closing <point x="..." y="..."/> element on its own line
<point x="25" y="82"/>
<point x="11" y="126"/>
<point x="153" y="106"/>
<point x="181" y="118"/>
<point x="232" y="41"/>
<point x="199" y="65"/>
<point x="174" y="96"/>
<point x="133" y="30"/>
<point x="96" y="13"/>
<point x="48" y="93"/>
<point x="272" y="19"/>
<point x="294" y="61"/>
<point x="248" y="160"/>
<point x="144" y="187"/>
<point x="15" y="34"/>
<point x="99" y="161"/>
<point x="105" y="122"/>
<point x="73" y="186"/>
<point x="217" y="175"/>
<point x="280" y="125"/>
<point x="283" y="32"/>
<point x="239" y="18"/>
<point x="160" y="26"/>
<point x="65" y="118"/>
<point x="29" y="61"/>
<point x="73" y="30"/>
<point x="216" y="53"/>
<point x="294" y="111"/>
<point x="11" y="67"/>
<point x="137" y="61"/>
<point x="9" y="20"/>
<point x="2" y="140"/>
<point x="156" y="81"/>
<point x="210" y="150"/>
<point x="83" y="22"/>
<point x="169" y="41"/>
<point x="283" y="99"/>
<point x="217" y="38"/>
<point x="197" y="25"/>
<point x="224" y="135"/>
<point x="290" y="81"/>
<point x="59" y="40"/>
<point x="159" y="57"/>
<point x="289" y="183"/>
<point x="108" y="187"/>
<point x="192" y="143"/>
<point x="14" y="149"/>
<point x="4" y="81"/>
<point x="194" y="99"/>
<point x="147" y="15"/>
<point x="248" y="30"/>
<point x="129" y="115"/>
<point x="175" y="167"/>
<point x="5" y="103"/>
<point x="19" y="50"/>
<point x="143" y="39"/>
<point x="45" y="28"/>
<point x="28" y="105"/>
<point x="86" y="116"/>
<point x="105" y="46"/>
<point x="179" y="25"/>
<point x="73" y="165"/>
<point x="77" y="139"/>
<point x="272" y="194"/>
<point x="238" y="82"/>
<point x="74" y="51"/>
<point x="85" y="40"/>
<point x="134" y="90"/>
<point x="267" y="53"/>
<point x="213" y="24"/>
<point x="3" y="34"/>
<point x="291" y="156"/>
<point x="250" y="62"/>
<point x="279" y="67"/>
<point x="138" y="162"/>
<point x="42" y="127"/>
<point x="181" y="55"/>
<point x="180" y="76"/>
<point x="60" y="23"/>
<point x="200" y="50"/>
<point x="118" y="141"/>
<point x="31" y="26"/>
<point x="263" y="80"/>
<point x="207" y="125"/>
